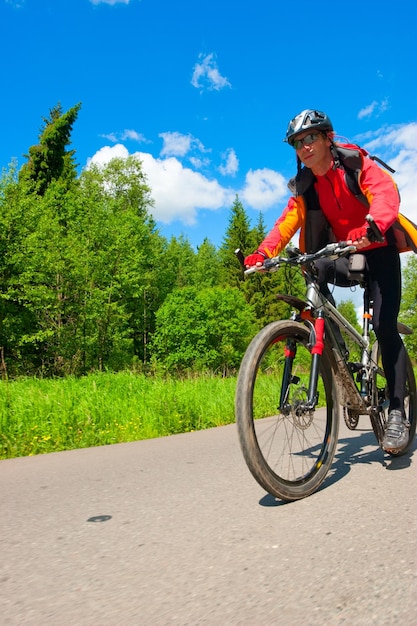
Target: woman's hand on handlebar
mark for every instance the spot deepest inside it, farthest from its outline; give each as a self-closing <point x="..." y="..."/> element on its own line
<point x="256" y="259"/>
<point x="362" y="242"/>
<point x="358" y="237"/>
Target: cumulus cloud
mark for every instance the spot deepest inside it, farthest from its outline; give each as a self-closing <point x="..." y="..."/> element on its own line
<point x="231" y="163"/>
<point x="107" y="153"/>
<point x="179" y="191"/>
<point x="177" y="144"/>
<point x="206" y="74"/>
<point x="264" y="188"/>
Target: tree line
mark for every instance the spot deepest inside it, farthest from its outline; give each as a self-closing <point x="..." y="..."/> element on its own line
<point x="88" y="283"/>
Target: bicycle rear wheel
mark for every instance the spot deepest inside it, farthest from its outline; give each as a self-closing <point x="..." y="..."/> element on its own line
<point x="287" y="448"/>
<point x="381" y="400"/>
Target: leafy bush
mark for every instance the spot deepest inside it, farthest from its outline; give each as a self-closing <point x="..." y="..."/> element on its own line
<point x="200" y="330"/>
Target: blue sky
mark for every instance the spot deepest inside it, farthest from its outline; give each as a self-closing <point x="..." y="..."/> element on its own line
<point x="203" y="91"/>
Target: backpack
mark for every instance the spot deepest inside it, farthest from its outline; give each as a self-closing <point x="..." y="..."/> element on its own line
<point x="403" y="233"/>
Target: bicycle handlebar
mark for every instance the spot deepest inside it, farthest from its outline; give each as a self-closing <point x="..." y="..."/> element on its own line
<point x="296" y="257"/>
<point x="331" y="251"/>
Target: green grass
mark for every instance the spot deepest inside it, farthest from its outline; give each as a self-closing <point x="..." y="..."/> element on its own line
<point x="40" y="416"/>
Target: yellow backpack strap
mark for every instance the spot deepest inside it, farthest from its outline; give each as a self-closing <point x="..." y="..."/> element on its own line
<point x="405" y="232"/>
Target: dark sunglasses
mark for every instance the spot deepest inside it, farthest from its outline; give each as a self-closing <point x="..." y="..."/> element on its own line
<point x="305" y="141"/>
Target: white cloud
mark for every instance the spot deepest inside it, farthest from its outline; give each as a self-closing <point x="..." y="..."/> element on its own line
<point x="107" y="153"/>
<point x="368" y="110"/>
<point x="179" y="191"/>
<point x="231" y="165"/>
<point x="398" y="147"/>
<point x="206" y="74"/>
<point x="129" y="134"/>
<point x="393" y="137"/>
<point x="375" y="108"/>
<point x="199" y="163"/>
<point x="264" y="188"/>
<point x="175" y="144"/>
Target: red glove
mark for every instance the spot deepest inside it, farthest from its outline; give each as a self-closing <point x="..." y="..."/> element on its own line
<point x="256" y="257"/>
<point x="357" y="233"/>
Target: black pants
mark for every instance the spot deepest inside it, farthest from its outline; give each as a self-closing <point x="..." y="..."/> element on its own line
<point x="384" y="269"/>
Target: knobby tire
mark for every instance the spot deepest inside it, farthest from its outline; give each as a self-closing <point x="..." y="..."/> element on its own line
<point x="289" y="453"/>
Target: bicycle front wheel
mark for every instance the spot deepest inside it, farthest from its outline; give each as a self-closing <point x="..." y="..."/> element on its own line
<point x="287" y="447"/>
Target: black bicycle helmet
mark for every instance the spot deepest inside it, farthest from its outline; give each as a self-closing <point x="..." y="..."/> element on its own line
<point x="307" y="120"/>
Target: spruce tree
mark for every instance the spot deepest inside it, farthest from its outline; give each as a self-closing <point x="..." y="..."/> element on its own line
<point x="207" y="267"/>
<point x="50" y="160"/>
<point x="238" y="236"/>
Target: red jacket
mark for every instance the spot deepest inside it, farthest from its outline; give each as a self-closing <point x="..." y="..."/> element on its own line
<point x="343" y="211"/>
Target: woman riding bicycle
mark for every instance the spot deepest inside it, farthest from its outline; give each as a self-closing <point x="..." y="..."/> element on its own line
<point x="334" y="191"/>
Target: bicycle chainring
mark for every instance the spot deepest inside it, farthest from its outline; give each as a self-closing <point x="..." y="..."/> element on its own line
<point x="351" y="418"/>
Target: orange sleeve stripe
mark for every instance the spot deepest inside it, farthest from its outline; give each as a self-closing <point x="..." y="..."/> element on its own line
<point x="285" y="227"/>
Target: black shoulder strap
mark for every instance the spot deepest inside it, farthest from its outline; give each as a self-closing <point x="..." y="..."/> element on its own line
<point x="351" y="178"/>
<point x="299" y="184"/>
<point x="351" y="162"/>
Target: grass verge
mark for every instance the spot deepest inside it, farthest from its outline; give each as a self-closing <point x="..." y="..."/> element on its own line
<point x="39" y="416"/>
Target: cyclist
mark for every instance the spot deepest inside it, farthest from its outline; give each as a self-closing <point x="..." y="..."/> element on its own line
<point x="326" y="206"/>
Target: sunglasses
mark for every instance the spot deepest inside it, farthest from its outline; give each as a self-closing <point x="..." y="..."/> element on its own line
<point x="305" y="141"/>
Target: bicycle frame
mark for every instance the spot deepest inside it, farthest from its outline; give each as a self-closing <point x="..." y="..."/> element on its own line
<point x="317" y="311"/>
<point x="350" y="396"/>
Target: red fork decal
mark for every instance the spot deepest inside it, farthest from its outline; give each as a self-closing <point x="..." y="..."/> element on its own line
<point x="289" y="352"/>
<point x="319" y="345"/>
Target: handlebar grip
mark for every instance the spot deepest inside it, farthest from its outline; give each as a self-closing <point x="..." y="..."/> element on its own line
<point x="240" y="257"/>
<point x="373" y="232"/>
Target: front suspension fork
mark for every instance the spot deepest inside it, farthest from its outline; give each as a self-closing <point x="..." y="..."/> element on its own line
<point x="288" y="377"/>
<point x="316" y="352"/>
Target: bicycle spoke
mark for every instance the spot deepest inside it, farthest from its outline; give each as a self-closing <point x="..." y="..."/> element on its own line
<point x="288" y="449"/>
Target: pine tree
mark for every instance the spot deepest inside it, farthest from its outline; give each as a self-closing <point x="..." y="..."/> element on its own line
<point x="207" y="268"/>
<point x="238" y="236"/>
<point x="179" y="258"/>
<point x="259" y="232"/>
<point x="50" y="160"/>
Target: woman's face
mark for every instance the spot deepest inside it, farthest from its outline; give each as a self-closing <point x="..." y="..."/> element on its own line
<point x="314" y="152"/>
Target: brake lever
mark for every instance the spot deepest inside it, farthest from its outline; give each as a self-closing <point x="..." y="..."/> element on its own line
<point x="240" y="257"/>
<point x="372" y="232"/>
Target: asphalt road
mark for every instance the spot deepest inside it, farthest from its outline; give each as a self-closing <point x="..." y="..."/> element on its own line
<point x="176" y="531"/>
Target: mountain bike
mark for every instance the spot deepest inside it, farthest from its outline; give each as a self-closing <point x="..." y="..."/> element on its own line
<point x="295" y="376"/>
